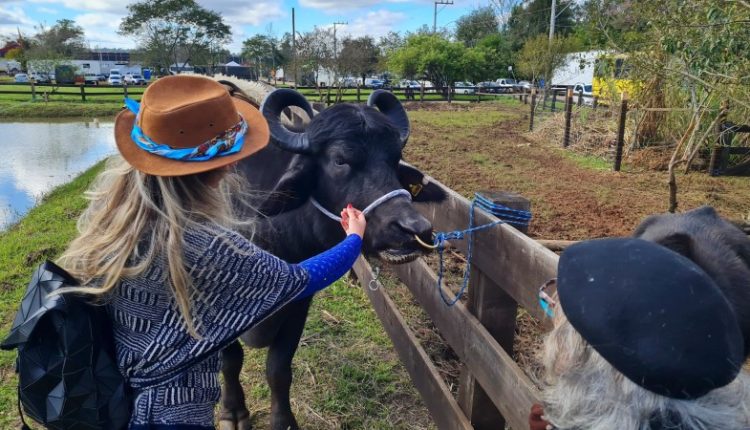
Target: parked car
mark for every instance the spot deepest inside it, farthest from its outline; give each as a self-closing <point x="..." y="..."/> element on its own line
<point x="405" y="83"/>
<point x="90" y="79"/>
<point x="40" y="78"/>
<point x="488" y="87"/>
<point x="375" y="84"/>
<point x="101" y="77"/>
<point x="587" y="90"/>
<point x="114" y="79"/>
<point x="506" y="85"/>
<point x="464" y="88"/>
<point x="21" y="78"/>
<point x="134" y="79"/>
<point x="524" y="86"/>
<point x="348" y="82"/>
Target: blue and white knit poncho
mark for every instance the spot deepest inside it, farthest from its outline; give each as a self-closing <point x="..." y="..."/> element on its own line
<point x="237" y="285"/>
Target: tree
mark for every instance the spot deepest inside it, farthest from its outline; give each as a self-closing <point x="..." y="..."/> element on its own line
<point x="263" y="52"/>
<point x="539" y="58"/>
<point x="497" y="56"/>
<point x="530" y="19"/>
<point x="359" y="57"/>
<point x="434" y="57"/>
<point x="477" y="25"/>
<point x="173" y="31"/>
<point x="50" y="47"/>
<point x="315" y="52"/>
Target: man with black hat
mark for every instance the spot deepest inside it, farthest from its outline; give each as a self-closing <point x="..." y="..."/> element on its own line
<point x="643" y="339"/>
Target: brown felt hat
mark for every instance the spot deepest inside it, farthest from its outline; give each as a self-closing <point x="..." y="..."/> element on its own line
<point x="182" y="112"/>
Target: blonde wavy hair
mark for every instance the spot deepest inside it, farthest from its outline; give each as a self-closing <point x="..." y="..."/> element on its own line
<point x="133" y="218"/>
<point x="583" y="391"/>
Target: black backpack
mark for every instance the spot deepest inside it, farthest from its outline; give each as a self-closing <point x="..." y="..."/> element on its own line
<point x="67" y="374"/>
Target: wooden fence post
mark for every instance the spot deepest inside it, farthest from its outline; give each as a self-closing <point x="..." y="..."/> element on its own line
<point x="328" y="95"/>
<point x="533" y="109"/>
<point x="83" y="93"/>
<point x="554" y="101"/>
<point x="125" y="89"/>
<point x="568" y="115"/>
<point x="595" y="102"/>
<point x="621" y="131"/>
<point x="714" y="165"/>
<point x="580" y="97"/>
<point x="496" y="310"/>
<point x="33" y="91"/>
<point x="359" y="95"/>
<point x="421" y="93"/>
<point x="450" y="94"/>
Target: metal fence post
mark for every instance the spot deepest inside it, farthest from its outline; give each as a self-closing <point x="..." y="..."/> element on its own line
<point x="621" y="131"/>
<point x="533" y="109"/>
<point x="568" y="115"/>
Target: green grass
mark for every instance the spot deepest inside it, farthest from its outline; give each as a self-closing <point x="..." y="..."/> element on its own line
<point x="57" y="109"/>
<point x="43" y="234"/>
<point x="346" y="372"/>
<point x="588" y="161"/>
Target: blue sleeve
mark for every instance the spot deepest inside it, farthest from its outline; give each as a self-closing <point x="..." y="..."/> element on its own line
<point x="326" y="267"/>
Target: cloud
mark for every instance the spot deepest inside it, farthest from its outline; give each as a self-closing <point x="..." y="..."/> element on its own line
<point x="89" y="5"/>
<point x="101" y="30"/>
<point x="14" y="16"/>
<point x="331" y="5"/>
<point x="47" y="10"/>
<point x="242" y="12"/>
<point x="375" y="24"/>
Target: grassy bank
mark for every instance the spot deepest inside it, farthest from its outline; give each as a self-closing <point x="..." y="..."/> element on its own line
<point x="59" y="109"/>
<point x="346" y="372"/>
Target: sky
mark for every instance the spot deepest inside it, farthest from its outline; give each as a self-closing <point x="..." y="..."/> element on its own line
<point x="101" y="18"/>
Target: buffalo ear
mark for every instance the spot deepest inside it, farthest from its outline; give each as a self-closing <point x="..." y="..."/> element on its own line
<point x="420" y="187"/>
<point x="680" y="243"/>
<point x="293" y="188"/>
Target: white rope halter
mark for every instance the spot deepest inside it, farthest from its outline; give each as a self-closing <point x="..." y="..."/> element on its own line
<point x="368" y="209"/>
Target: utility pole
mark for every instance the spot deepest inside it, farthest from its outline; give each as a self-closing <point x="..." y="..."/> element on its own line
<point x="552" y="17"/>
<point x="434" y="16"/>
<point x="294" y="50"/>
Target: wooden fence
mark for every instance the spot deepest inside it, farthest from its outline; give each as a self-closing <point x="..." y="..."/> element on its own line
<point x="507" y="270"/>
<point x="723" y="150"/>
<point x="44" y="91"/>
<point x="333" y="95"/>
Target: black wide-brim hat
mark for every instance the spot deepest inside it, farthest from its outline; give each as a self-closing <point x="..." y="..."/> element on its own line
<point x="653" y="314"/>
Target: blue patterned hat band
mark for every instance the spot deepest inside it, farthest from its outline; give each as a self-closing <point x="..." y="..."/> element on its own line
<point x="225" y="143"/>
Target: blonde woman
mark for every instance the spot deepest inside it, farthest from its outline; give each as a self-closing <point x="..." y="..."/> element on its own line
<point x="159" y="244"/>
<point x="643" y="340"/>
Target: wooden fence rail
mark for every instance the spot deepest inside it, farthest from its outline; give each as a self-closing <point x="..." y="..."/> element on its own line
<point x="84" y="91"/>
<point x="507" y="265"/>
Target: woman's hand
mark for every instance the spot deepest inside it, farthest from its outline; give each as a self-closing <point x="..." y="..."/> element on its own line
<point x="353" y="221"/>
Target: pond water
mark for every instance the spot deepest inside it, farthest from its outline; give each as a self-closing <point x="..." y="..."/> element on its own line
<point x="38" y="156"/>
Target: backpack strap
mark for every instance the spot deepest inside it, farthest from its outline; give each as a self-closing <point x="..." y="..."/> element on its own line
<point x="24" y="426"/>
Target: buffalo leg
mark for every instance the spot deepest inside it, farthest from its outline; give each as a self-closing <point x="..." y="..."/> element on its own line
<point x="234" y="414"/>
<point x="279" y="365"/>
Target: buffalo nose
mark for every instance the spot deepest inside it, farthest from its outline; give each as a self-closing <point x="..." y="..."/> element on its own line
<point x="415" y="225"/>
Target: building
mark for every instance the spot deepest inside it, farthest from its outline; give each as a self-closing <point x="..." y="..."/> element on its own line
<point x="92" y="62"/>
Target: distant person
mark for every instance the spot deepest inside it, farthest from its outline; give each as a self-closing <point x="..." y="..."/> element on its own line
<point x="643" y="339"/>
<point x="159" y="242"/>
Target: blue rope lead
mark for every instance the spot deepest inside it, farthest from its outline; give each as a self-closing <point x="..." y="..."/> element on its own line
<point x="507" y="215"/>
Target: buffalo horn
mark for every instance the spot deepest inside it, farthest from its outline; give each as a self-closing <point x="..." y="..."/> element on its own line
<point x="389" y="105"/>
<point x="272" y="107"/>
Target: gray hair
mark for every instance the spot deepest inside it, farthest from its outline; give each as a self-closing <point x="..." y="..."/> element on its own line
<point x="583" y="391"/>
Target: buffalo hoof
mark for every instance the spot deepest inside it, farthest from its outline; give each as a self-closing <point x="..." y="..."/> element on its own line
<point x="237" y="421"/>
<point x="284" y="423"/>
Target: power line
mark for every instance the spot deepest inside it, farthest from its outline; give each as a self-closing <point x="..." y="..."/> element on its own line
<point x="434" y="16"/>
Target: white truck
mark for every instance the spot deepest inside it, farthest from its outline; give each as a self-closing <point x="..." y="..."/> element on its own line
<point x="578" y="69"/>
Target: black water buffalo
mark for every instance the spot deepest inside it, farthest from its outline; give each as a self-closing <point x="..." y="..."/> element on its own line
<point x="347" y="154"/>
<point x="720" y="248"/>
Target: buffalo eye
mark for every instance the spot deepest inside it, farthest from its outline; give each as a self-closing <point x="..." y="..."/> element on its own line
<point x="340" y="161"/>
